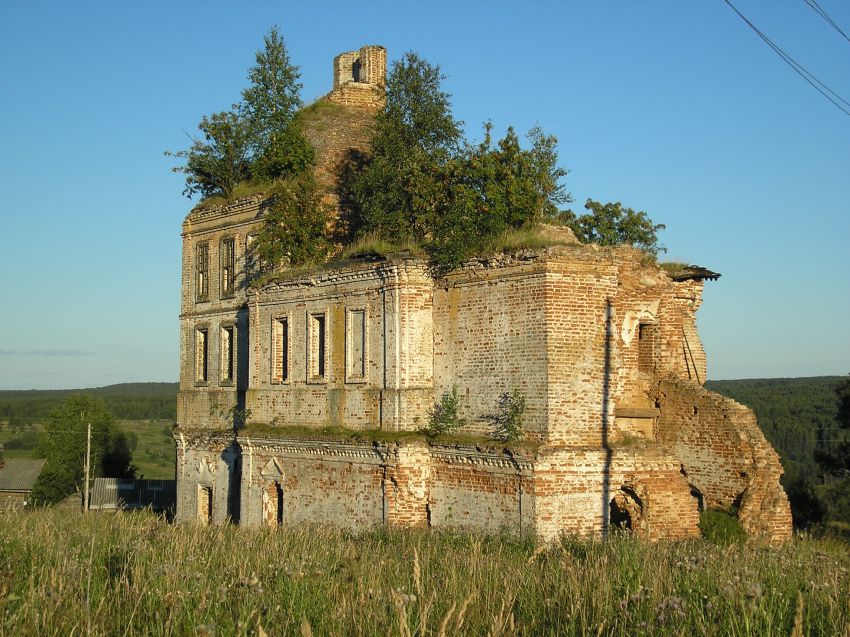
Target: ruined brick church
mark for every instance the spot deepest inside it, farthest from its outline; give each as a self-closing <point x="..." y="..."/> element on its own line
<point x="301" y="396"/>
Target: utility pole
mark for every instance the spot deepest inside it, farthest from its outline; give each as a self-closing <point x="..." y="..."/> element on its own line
<point x="88" y="467"/>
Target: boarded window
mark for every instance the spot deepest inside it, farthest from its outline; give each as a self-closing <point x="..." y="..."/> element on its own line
<point x="273" y="504"/>
<point x="202" y="350"/>
<point x="356" y="345"/>
<point x="317" y="341"/>
<point x="205" y="504"/>
<point x="280" y="350"/>
<point x="202" y="271"/>
<point x="647" y="335"/>
<point x="228" y="266"/>
<point x="228" y="351"/>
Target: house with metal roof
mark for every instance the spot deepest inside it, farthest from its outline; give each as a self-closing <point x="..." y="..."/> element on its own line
<point x="116" y="494"/>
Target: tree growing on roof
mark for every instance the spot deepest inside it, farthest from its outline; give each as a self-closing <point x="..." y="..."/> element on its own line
<point x="217" y="162"/>
<point x="489" y="190"/>
<point x="295" y="228"/>
<point x="425" y="183"/>
<point x="258" y="139"/>
<point x="268" y="107"/>
<point x="396" y="193"/>
<point x="611" y="224"/>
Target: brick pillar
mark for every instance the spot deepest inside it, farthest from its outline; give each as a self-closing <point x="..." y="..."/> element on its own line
<point x="407" y="485"/>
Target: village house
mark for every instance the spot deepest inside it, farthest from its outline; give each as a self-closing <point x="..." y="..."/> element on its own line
<point x="17" y="478"/>
<point x="301" y="396"/>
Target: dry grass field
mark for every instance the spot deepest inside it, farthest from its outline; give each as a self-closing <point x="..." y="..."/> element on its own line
<point x="133" y="574"/>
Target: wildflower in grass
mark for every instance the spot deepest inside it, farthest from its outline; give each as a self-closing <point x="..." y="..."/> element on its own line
<point x="670" y="609"/>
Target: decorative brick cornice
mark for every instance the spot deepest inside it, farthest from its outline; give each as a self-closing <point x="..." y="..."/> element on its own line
<point x="312" y="448"/>
<point x="199" y="214"/>
<point x="476" y="457"/>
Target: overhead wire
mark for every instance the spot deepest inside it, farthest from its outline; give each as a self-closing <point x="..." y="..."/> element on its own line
<point x="817" y="8"/>
<point x="819" y="86"/>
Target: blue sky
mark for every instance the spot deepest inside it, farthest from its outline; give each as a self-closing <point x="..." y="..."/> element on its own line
<point x="675" y="108"/>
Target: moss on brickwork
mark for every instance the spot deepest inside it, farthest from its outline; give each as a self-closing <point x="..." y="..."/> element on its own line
<point x="333" y="434"/>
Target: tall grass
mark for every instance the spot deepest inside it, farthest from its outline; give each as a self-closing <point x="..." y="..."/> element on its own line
<point x="132" y="574"/>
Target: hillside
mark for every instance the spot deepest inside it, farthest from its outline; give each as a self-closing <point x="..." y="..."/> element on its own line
<point x="798" y="415"/>
<point x="127" y="401"/>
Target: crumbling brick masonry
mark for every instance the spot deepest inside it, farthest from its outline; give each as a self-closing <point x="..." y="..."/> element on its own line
<point x="300" y="400"/>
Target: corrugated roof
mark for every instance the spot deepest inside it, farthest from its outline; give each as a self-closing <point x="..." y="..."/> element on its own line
<point x="116" y="493"/>
<point x="19" y="474"/>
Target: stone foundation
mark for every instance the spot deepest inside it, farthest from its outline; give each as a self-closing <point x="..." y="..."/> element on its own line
<point x="546" y="492"/>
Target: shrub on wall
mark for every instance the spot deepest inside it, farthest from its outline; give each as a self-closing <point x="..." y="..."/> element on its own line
<point x="445" y="416"/>
<point x="507" y="419"/>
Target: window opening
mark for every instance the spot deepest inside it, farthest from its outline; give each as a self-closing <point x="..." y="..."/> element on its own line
<point x="228" y="266"/>
<point x="205" y="504"/>
<point x="202" y="267"/>
<point x="280" y="363"/>
<point x="273" y="502"/>
<point x="227" y="352"/>
<point x="201" y="355"/>
<point x="317" y="346"/>
<point x="646" y="347"/>
<point x="356" y="349"/>
<point x="251" y="258"/>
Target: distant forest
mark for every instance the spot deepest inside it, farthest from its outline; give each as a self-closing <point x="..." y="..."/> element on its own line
<point x="799" y="416"/>
<point x="127" y="401"/>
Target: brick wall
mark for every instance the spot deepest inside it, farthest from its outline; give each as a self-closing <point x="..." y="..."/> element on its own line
<point x="395" y="390"/>
<point x="489" y="330"/>
<point x="207" y="404"/>
<point x="477" y="490"/>
<point x="725" y="456"/>
<point x="359" y="77"/>
<point x="602" y="344"/>
<point x="207" y="460"/>
<point x="574" y="488"/>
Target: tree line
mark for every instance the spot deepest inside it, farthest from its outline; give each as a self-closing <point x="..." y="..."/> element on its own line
<point x="126" y="401"/>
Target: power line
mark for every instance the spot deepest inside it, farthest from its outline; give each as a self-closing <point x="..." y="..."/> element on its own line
<point x="819" y="86"/>
<point x="814" y="5"/>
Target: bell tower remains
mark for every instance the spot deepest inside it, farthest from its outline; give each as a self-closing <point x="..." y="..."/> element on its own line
<point x="360" y="77"/>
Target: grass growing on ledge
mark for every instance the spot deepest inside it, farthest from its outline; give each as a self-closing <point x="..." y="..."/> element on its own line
<point x="344" y="434"/>
<point x="243" y="189"/>
<point x="132" y="574"/>
<point x="371" y="245"/>
<point x="673" y="266"/>
<point x="335" y="434"/>
<point x="522" y="239"/>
